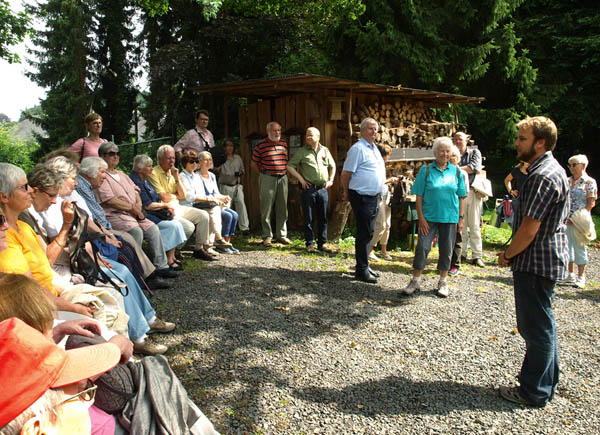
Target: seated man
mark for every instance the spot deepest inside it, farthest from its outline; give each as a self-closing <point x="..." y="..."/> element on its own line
<point x="166" y="183"/>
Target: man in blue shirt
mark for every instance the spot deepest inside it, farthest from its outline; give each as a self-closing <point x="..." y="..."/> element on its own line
<point x="362" y="180"/>
<point x="539" y="257"/>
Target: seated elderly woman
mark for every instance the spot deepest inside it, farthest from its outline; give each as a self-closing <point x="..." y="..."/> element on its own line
<point x="201" y="191"/>
<point x="154" y="209"/>
<point x="440" y="190"/>
<point x="170" y="409"/>
<point x="119" y="197"/>
<point x="43" y="388"/>
<point x="25" y="255"/>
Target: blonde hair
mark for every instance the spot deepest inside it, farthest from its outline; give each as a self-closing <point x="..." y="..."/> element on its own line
<point x="22" y="297"/>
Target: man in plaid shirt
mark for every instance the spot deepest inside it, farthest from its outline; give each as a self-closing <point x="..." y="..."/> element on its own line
<point x="538" y="255"/>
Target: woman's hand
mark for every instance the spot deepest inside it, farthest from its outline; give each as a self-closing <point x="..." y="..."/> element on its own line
<point x="460" y="224"/>
<point x="86" y="310"/>
<point x="68" y="212"/>
<point x="423" y="226"/>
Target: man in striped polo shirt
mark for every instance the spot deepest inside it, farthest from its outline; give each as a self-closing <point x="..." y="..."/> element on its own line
<point x="270" y="158"/>
<point x="539" y="256"/>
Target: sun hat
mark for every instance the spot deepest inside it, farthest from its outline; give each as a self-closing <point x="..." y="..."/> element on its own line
<point x="30" y="364"/>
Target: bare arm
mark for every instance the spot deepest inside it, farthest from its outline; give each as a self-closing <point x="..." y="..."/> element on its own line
<point x="331" y="177"/>
<point x="591" y="203"/>
<point x="305" y="184"/>
<point x="525" y="235"/>
<point x="508" y="183"/>
<point x="461" y="207"/>
<point x="254" y="166"/>
<point x="345" y="179"/>
<point x="423" y="224"/>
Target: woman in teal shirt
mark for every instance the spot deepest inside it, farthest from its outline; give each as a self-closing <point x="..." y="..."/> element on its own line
<point x="440" y="191"/>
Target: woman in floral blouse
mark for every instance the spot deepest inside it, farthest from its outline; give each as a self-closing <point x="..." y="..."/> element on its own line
<point x="584" y="192"/>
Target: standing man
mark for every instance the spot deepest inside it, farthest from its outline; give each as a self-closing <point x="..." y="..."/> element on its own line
<point x="539" y="256"/>
<point x="362" y="181"/>
<point x="270" y="158"/>
<point x="198" y="138"/>
<point x="470" y="161"/>
<point x="314" y="168"/>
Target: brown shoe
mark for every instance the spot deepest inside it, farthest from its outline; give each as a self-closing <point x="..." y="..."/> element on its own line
<point x="267" y="242"/>
<point x="311" y="248"/>
<point x="148" y="348"/>
<point x="284" y="241"/>
<point x="201" y="254"/>
<point x="325" y="248"/>
<point x="161" y="326"/>
<point x="221" y="243"/>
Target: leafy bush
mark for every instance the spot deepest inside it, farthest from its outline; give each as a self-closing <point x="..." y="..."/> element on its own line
<point x="14" y="149"/>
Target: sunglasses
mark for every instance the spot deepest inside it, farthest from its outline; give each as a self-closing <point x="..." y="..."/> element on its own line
<point x="2" y="220"/>
<point x="112" y="153"/>
<point x="573" y="164"/>
<point x="194" y="161"/>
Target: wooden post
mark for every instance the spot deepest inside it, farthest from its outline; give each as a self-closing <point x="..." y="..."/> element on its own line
<point x="225" y="101"/>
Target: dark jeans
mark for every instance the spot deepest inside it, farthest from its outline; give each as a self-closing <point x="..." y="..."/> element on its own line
<point x="457" y="251"/>
<point x="365" y="208"/>
<point x="535" y="321"/>
<point x="314" y="205"/>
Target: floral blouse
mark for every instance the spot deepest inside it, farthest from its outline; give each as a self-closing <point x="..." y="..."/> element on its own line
<point x="581" y="190"/>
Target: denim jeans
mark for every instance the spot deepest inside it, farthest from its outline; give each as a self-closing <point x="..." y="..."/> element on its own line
<point x="314" y="205"/>
<point x="137" y="306"/>
<point x="229" y="220"/>
<point x="446" y="236"/>
<point x="535" y="321"/>
<point x="365" y="208"/>
<point x="577" y="252"/>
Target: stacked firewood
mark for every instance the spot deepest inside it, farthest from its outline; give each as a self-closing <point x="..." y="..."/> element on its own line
<point x="404" y="125"/>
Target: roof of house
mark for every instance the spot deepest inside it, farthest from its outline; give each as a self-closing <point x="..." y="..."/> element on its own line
<point x="303" y="83"/>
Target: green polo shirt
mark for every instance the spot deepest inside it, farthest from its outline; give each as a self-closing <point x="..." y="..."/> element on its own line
<point x="314" y="166"/>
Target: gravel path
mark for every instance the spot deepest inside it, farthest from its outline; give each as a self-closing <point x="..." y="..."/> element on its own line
<point x="283" y="342"/>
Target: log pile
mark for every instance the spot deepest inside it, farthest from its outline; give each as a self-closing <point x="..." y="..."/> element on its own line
<point x="401" y="124"/>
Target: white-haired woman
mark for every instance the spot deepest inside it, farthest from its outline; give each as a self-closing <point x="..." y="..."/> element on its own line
<point x="440" y="190"/>
<point x="122" y="204"/>
<point x="171" y="231"/>
<point x="584" y="192"/>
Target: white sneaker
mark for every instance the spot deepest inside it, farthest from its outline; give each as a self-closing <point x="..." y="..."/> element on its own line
<point x="413" y="286"/>
<point x="373" y="257"/>
<point x="442" y="290"/>
<point x="570" y="279"/>
<point x="580" y="281"/>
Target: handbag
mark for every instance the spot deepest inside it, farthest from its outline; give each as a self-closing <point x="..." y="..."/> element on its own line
<point x="205" y="204"/>
<point x="163" y="214"/>
<point x="115" y="387"/>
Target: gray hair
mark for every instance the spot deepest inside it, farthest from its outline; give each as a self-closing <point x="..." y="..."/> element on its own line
<point x="366" y="121"/>
<point x="48" y="401"/>
<point x="163" y="149"/>
<point x="106" y="147"/>
<point x="141" y="161"/>
<point x="204" y="154"/>
<point x="62" y="165"/>
<point x="270" y="124"/>
<point x="439" y="141"/>
<point x="580" y="158"/>
<point x="454" y="150"/>
<point x="44" y="178"/>
<point x="9" y="177"/>
<point x="91" y="165"/>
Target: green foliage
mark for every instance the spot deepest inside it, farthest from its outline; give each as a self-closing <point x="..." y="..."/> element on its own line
<point x="13" y="28"/>
<point x="14" y="149"/>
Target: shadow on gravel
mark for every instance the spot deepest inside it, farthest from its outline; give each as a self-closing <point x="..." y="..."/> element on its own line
<point x="399" y="395"/>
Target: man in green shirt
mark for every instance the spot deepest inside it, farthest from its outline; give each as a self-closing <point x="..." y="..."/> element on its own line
<point x="314" y="168"/>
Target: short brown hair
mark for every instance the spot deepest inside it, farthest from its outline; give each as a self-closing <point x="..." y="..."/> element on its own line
<point x="91" y="117"/>
<point x="201" y="112"/>
<point x="22" y="297"/>
<point x="543" y="128"/>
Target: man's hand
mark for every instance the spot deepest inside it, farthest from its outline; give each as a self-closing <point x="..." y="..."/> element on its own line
<point x="68" y="212"/>
<point x="85" y="327"/>
<point x="175" y="173"/>
<point x="514" y="193"/>
<point x="345" y="195"/>
<point x="503" y="262"/>
<point x="305" y="184"/>
<point x="110" y="238"/>
<point x="328" y="184"/>
<point x="125" y="346"/>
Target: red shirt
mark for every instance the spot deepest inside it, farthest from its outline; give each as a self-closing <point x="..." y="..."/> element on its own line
<point x="271" y="157"/>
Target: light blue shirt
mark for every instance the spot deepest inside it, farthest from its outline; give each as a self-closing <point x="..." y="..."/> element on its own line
<point x="365" y="163"/>
<point x="440" y="192"/>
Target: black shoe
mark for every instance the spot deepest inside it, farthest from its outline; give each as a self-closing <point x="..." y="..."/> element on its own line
<point x="158" y="283"/>
<point x="176" y="267"/>
<point x="246" y="232"/>
<point x="203" y="255"/>
<point x="372" y="272"/>
<point x="366" y="277"/>
<point x="167" y="272"/>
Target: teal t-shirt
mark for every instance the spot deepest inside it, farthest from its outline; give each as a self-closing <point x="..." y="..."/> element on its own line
<point x="440" y="192"/>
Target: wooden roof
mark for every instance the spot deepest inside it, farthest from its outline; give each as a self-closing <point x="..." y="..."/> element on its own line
<point x="303" y="83"/>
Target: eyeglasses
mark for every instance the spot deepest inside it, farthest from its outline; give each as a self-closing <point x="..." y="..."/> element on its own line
<point x="51" y="196"/>
<point x="24" y="187"/>
<point x="571" y="165"/>
<point x="2" y="220"/>
<point x="204" y="119"/>
<point x="112" y="153"/>
<point x="86" y="395"/>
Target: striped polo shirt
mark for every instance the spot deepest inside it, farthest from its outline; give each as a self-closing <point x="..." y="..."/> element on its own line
<point x="545" y="197"/>
<point x="271" y="157"/>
